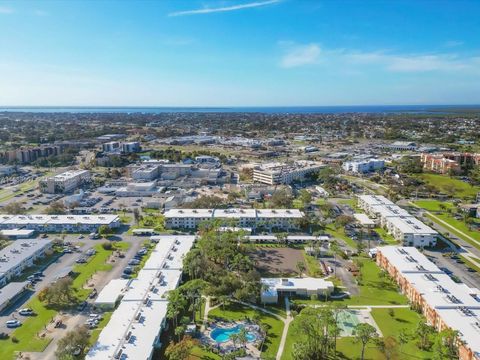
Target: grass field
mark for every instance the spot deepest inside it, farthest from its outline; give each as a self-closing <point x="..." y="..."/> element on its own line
<point x="469" y="264"/>
<point x="389" y="239"/>
<point x="235" y="312"/>
<point x="340" y="234"/>
<point x="446" y="184"/>
<point x="347" y="348"/>
<point x="433" y="205"/>
<point x="374" y="289"/>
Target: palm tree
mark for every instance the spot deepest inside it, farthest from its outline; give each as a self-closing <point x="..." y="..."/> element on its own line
<point x="242" y="336"/>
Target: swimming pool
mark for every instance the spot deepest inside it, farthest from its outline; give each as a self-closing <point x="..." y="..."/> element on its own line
<point x="221" y="335"/>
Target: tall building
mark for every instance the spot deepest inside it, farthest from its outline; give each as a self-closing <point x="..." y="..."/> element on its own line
<point x="64" y="182"/>
<point x="280" y="173"/>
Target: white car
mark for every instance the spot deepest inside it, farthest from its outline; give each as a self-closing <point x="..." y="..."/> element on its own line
<point x="95" y="316"/>
<point x="13" y="323"/>
<point x="26" y="312"/>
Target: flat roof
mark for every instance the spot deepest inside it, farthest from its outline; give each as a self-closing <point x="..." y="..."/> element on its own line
<point x="389" y="211"/>
<point x="306" y="283"/>
<point x="375" y="200"/>
<point x="10" y="291"/>
<point x="15" y="253"/>
<point x="411" y="225"/>
<point x="233" y="213"/>
<point x="111" y="292"/>
<point x="363" y="219"/>
<point x="17" y="232"/>
<point x="154" y="284"/>
<point x="39" y="219"/>
<point x="409" y="260"/>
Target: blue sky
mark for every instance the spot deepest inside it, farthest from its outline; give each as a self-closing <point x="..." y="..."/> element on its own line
<point x="239" y="53"/>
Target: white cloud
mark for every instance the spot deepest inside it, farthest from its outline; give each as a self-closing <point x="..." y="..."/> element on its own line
<point x="6" y="10"/>
<point x="453" y="43"/>
<point x="208" y="10"/>
<point x="299" y="55"/>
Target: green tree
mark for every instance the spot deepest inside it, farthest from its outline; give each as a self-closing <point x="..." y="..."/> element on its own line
<point x="423" y="333"/>
<point x="444" y="346"/>
<point x="180" y="350"/>
<point x="301" y="268"/>
<point x="104" y="231"/>
<point x="73" y="342"/>
<point x="364" y="333"/>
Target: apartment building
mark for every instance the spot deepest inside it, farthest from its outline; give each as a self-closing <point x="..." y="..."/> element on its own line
<point x="58" y="223"/>
<point x="28" y="155"/>
<point x="20" y="255"/>
<point x="444" y="303"/>
<point x="134" y="329"/>
<point x="364" y="166"/>
<point x="64" y="182"/>
<point x="286" y="219"/>
<point x="447" y="162"/>
<point x="398" y="222"/>
<point x="282" y="173"/>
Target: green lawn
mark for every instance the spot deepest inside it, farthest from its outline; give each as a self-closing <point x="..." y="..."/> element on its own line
<point x="347" y="348"/>
<point x="433" y="205"/>
<point x="313" y="266"/>
<point x="374" y="290"/>
<point x="27" y="333"/>
<point x="199" y="353"/>
<point x="469" y="264"/>
<point x="234" y="311"/>
<point x="150" y="221"/>
<point x="389" y="239"/>
<point x="445" y="184"/>
<point x="340" y="234"/>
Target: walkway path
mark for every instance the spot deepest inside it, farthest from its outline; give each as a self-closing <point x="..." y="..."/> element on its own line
<point x="286" y="322"/>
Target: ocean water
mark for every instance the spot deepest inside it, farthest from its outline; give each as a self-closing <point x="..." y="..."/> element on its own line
<point x="418" y="109"/>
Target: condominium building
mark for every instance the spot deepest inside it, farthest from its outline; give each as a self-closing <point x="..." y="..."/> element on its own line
<point x="65" y="182"/>
<point x="134" y="329"/>
<point x="28" y="155"/>
<point x="274" y="287"/>
<point x="19" y="255"/>
<point x="397" y="221"/>
<point x="58" y="223"/>
<point x="363" y="167"/>
<point x="285" y="219"/>
<point x="444" y="303"/>
<point x="281" y="173"/>
<point x="447" y="162"/>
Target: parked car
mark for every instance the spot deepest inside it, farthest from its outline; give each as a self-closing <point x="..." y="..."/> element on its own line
<point x="82" y="306"/>
<point x="26" y="312"/>
<point x="13" y="323"/>
<point x="128" y="270"/>
<point x="134" y="262"/>
<point x="81" y="260"/>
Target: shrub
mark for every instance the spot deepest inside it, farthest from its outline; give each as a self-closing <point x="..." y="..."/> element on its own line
<point x="14" y="339"/>
<point x="107" y="245"/>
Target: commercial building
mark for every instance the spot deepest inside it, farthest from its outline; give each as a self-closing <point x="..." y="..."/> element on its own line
<point x="285" y="219"/>
<point x="139" y="189"/>
<point x="364" y="167"/>
<point x="398" y="222"/>
<point x="401" y="146"/>
<point x="444" y="303"/>
<point x="281" y="173"/>
<point x="65" y="182"/>
<point x="58" y="223"/>
<point x="305" y="287"/>
<point x="134" y="329"/>
<point x="121" y="147"/>
<point x="19" y="255"/>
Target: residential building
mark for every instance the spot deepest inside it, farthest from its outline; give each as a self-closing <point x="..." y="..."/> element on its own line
<point x="286" y="219"/>
<point x="111" y="146"/>
<point x="134" y="329"/>
<point x="305" y="287"/>
<point x="58" y="223"/>
<point x="7" y="170"/>
<point x="448" y="162"/>
<point x="11" y="292"/>
<point x="397" y="221"/>
<point x="131" y="147"/>
<point x="282" y="173"/>
<point x="363" y="166"/>
<point x="20" y="255"/>
<point x="65" y="182"/>
<point x="444" y="303"/>
<point x="30" y="154"/>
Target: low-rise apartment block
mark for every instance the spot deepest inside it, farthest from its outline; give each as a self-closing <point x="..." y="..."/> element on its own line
<point x="444" y="303"/>
<point x="65" y="182"/>
<point x="134" y="329"/>
<point x="58" y="223"/>
<point x="398" y="222"/>
<point x="286" y="219"/>
<point x="19" y="255"/>
<point x="281" y="173"/>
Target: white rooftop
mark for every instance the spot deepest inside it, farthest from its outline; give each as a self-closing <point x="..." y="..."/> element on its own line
<point x="411" y="225"/>
<point x="375" y="200"/>
<point x="364" y="219"/>
<point x="409" y="260"/>
<point x="111" y="292"/>
<point x="18" y="251"/>
<point x="306" y="283"/>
